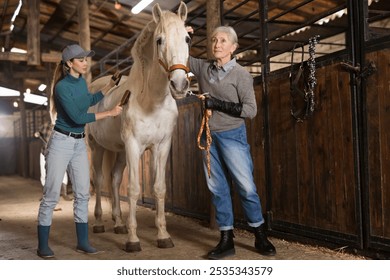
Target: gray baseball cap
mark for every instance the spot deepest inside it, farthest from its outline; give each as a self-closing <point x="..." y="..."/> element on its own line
<point x="73" y="51"/>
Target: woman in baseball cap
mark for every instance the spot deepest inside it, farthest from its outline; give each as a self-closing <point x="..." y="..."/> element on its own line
<point x="66" y="148"/>
<point x="73" y="51"/>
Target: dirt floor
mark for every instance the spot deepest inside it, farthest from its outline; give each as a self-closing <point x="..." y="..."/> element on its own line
<point x="19" y="202"/>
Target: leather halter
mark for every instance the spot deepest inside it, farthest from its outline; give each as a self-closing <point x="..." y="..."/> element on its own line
<point x="296" y="93"/>
<point x="173" y="67"/>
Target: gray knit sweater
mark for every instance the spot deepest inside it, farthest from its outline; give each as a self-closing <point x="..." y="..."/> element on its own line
<point x="235" y="85"/>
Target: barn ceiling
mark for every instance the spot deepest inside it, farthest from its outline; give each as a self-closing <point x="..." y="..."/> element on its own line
<point x="111" y="31"/>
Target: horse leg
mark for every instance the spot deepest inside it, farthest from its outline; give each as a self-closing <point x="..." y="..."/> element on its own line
<point x="117" y="175"/>
<point x="133" y="192"/>
<point x="160" y="156"/>
<point x="97" y="179"/>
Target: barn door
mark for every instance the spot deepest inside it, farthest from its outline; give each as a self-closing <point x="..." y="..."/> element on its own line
<point x="373" y="78"/>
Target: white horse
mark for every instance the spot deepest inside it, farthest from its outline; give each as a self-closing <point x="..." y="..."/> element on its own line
<point x="157" y="77"/>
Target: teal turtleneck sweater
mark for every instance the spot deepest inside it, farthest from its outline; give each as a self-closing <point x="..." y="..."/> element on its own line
<point x="72" y="101"/>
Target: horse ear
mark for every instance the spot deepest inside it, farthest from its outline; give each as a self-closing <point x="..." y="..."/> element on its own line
<point x="182" y="11"/>
<point x="157" y="13"/>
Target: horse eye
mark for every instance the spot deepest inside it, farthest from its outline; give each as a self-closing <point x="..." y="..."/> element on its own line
<point x="159" y="41"/>
<point x="188" y="40"/>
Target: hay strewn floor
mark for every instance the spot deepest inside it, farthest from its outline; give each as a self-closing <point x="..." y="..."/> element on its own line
<point x="19" y="202"/>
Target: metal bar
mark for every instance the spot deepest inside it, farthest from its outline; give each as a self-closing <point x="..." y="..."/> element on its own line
<point x="244" y="18"/>
<point x="308" y="23"/>
<point x="115" y="52"/>
<point x="265" y="68"/>
<point x="355" y="39"/>
<point x="235" y="7"/>
<point x="381" y="15"/>
<point x="290" y="10"/>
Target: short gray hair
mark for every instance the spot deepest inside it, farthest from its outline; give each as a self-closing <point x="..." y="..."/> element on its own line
<point x="232" y="35"/>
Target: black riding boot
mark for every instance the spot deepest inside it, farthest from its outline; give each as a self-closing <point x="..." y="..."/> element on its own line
<point x="262" y="244"/>
<point x="225" y="246"/>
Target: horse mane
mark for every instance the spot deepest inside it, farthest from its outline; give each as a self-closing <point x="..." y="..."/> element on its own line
<point x="142" y="40"/>
<point x="143" y="43"/>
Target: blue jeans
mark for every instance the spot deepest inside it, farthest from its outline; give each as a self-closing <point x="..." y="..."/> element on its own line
<point x="65" y="153"/>
<point x="230" y="154"/>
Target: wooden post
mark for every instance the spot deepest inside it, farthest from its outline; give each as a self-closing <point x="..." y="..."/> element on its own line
<point x="213" y="17"/>
<point x="24" y="154"/>
<point x="33" y="35"/>
<point x="84" y="32"/>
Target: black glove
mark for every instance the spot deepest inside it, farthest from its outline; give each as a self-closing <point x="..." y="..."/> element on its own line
<point x="231" y="108"/>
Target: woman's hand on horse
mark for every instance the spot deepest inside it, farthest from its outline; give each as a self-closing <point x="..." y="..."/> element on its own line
<point x="116" y="111"/>
<point x="189" y="29"/>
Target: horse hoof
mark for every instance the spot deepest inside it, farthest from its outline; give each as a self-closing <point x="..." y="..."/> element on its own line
<point x="98" y="229"/>
<point x="120" y="230"/>
<point x="132" y="247"/>
<point x="165" y="243"/>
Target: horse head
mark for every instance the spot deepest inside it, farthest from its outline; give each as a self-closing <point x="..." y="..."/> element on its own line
<point x="172" y="44"/>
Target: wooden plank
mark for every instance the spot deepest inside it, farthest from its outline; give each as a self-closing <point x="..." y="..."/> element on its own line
<point x="384" y="89"/>
<point x="282" y="150"/>
<point x="378" y="106"/>
<point x="342" y="183"/>
<point x="213" y="10"/>
<point x="45" y="57"/>
<point x="33" y="35"/>
<point x="275" y="145"/>
<point x="305" y="133"/>
<point x="255" y="129"/>
<point x="10" y="56"/>
<point x="84" y="33"/>
<point x="322" y="177"/>
<point x="189" y="189"/>
<point x="375" y="89"/>
<point x="287" y="150"/>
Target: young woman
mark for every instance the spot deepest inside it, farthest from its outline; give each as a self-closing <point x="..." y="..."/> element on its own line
<point x="231" y="99"/>
<point x="66" y="149"/>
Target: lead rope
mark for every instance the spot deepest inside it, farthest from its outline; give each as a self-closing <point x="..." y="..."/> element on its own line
<point x="204" y="126"/>
<point x="312" y="81"/>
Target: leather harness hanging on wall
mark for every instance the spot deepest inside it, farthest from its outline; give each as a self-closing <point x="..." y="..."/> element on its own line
<point x="302" y="101"/>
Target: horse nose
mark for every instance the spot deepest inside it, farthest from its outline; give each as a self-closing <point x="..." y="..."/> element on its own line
<point x="180" y="85"/>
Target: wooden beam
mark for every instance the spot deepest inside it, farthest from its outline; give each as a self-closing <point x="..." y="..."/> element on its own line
<point x="84" y="32"/>
<point x="10" y="56"/>
<point x="213" y="16"/>
<point x="38" y="75"/>
<point x="33" y="35"/>
<point x="45" y="57"/>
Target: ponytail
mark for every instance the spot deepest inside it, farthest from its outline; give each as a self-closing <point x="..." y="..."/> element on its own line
<point x="59" y="73"/>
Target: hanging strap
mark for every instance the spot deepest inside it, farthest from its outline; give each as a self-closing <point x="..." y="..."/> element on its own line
<point x="294" y="80"/>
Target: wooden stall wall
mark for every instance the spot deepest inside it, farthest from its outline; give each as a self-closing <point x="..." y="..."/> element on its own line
<point x="190" y="194"/>
<point x="313" y="190"/>
<point x="312" y="163"/>
<point x="378" y="150"/>
<point x="312" y="186"/>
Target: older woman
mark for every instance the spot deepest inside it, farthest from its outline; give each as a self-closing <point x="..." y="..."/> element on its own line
<point x="231" y="99"/>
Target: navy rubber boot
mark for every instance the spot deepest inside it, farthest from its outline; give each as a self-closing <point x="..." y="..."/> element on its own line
<point x="82" y="239"/>
<point x="43" y="240"/>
